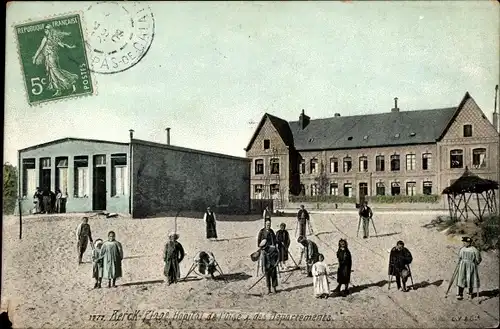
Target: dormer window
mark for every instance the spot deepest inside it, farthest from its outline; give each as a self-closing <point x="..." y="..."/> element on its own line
<point x="397" y="135"/>
<point x="349" y="138"/>
<point x="412" y="134"/>
<point x="365" y="137"/>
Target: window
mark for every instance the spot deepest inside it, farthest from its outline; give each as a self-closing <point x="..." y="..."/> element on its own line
<point x="62" y="174"/>
<point x="334" y="165"/>
<point x="258" y="190"/>
<point x="314" y="189"/>
<point x="426" y="161"/>
<point x="100" y="160"/>
<point x="395" y="163"/>
<point x="363" y="163"/>
<point x="411" y="160"/>
<point x="380" y="163"/>
<point x="302" y="189"/>
<point x="275" y="166"/>
<point x="119" y="177"/>
<point x="81" y="182"/>
<point x="467" y="130"/>
<point x="334" y="189"/>
<point x="302" y="166"/>
<point x="29" y="177"/>
<point x="45" y="173"/>
<point x="347" y="164"/>
<point x="427" y="188"/>
<point x="363" y="189"/>
<point x="275" y="190"/>
<point x="478" y="158"/>
<point x="395" y="188"/>
<point x="348" y="190"/>
<point x="267" y="144"/>
<point x="259" y="167"/>
<point x="456" y="159"/>
<point x="45" y="163"/>
<point x="314" y="166"/>
<point x="380" y="188"/>
<point x="411" y="188"/>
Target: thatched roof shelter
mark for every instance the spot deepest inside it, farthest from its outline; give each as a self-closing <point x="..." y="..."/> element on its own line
<point x="470" y="183"/>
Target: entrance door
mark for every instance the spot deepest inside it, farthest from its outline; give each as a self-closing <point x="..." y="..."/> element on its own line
<point x="99" y="189"/>
<point x="363" y="192"/>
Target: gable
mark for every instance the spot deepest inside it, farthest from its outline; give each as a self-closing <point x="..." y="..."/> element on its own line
<point x="265" y="130"/>
<point x="470" y="113"/>
<point x="73" y="146"/>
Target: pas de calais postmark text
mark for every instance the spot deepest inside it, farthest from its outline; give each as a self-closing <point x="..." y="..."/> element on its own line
<point x="120" y="35"/>
<point x="53" y="59"/>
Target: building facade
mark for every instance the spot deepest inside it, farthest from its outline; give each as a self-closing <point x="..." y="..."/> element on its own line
<point x="139" y="178"/>
<point x="394" y="153"/>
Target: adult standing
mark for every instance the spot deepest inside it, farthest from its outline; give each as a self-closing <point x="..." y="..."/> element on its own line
<point x="58" y="206"/>
<point x="112" y="255"/>
<point x="210" y="221"/>
<point x="283" y="241"/>
<point x="38" y="197"/>
<point x="345" y="265"/>
<point x="310" y="251"/>
<point x="270" y="260"/>
<point x="267" y="234"/>
<point x="266" y="214"/>
<point x="469" y="259"/>
<point x="302" y="220"/>
<point x="173" y="254"/>
<point x="47" y="203"/>
<point x="366" y="214"/>
<point x="399" y="260"/>
<point x="83" y="236"/>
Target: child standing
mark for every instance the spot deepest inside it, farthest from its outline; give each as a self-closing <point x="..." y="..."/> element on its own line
<point x="320" y="279"/>
<point x="97" y="263"/>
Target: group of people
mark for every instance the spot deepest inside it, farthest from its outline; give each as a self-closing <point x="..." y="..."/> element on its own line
<point x="47" y="202"/>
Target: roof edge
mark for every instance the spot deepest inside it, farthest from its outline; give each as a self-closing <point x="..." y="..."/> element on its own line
<point x="466" y="97"/>
<point x="69" y="139"/>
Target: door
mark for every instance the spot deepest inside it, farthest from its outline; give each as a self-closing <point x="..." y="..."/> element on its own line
<point x="99" y="189"/>
<point x="363" y="191"/>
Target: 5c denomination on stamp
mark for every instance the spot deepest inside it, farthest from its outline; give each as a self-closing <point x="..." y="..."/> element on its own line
<point x="120" y="35"/>
<point x="53" y="59"/>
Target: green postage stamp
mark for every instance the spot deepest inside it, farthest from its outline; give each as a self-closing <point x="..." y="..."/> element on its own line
<point x="53" y="59"/>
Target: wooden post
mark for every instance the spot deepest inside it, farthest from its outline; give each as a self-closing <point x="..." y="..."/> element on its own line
<point x="20" y="218"/>
<point x="479" y="207"/>
<point x="19" y="193"/>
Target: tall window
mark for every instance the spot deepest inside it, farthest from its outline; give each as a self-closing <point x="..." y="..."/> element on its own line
<point x="395" y="162"/>
<point x="427" y="188"/>
<point x="411" y="188"/>
<point x="302" y="166"/>
<point x="334" y="189"/>
<point x="314" y="166"/>
<point x="275" y="166"/>
<point x="29" y="177"/>
<point x="348" y="190"/>
<point x="395" y="188"/>
<point x="258" y="190"/>
<point x="456" y="159"/>
<point x="363" y="163"/>
<point x="275" y="190"/>
<point x="411" y="160"/>
<point x="380" y="163"/>
<point x="426" y="161"/>
<point x="100" y="160"/>
<point x="478" y="158"/>
<point x="267" y="144"/>
<point x="334" y="165"/>
<point x="81" y="183"/>
<point x="119" y="177"/>
<point x="62" y="174"/>
<point x="347" y="164"/>
<point x="380" y="188"/>
<point x="45" y="172"/>
<point x="302" y="189"/>
<point x="363" y="189"/>
<point x="314" y="189"/>
<point x="259" y="167"/>
<point x="467" y="130"/>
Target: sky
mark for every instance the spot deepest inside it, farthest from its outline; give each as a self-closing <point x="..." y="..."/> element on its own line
<point x="215" y="68"/>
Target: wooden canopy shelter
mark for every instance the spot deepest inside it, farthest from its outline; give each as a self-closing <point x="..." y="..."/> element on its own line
<point x="460" y="194"/>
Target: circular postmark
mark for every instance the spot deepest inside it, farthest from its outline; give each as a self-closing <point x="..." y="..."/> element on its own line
<point x="119" y="35"/>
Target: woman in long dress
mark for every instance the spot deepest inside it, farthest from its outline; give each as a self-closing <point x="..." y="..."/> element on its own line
<point x="47" y="53"/>
<point x="320" y="279"/>
<point x="345" y="265"/>
<point x="468" y="269"/>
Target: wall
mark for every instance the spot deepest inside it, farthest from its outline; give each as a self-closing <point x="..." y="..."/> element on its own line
<point x="71" y="148"/>
<point x="169" y="178"/>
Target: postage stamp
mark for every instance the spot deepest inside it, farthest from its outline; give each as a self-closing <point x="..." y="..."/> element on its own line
<point x="53" y="59"/>
<point x="120" y="35"/>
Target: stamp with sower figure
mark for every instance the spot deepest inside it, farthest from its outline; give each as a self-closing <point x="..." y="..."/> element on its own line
<point x="53" y="59"/>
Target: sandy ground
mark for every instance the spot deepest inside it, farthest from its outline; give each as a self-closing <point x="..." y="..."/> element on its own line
<point x="44" y="287"/>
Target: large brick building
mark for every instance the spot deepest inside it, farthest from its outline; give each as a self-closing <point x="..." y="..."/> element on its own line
<point x="96" y="175"/>
<point x="392" y="153"/>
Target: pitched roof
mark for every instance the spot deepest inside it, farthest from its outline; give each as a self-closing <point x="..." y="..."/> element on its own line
<point x="470" y="183"/>
<point x="281" y="126"/>
<point x="69" y="139"/>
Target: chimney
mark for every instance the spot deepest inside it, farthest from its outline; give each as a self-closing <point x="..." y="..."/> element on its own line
<point x="495" y="114"/>
<point x="303" y="120"/>
<point x="396" y="108"/>
<point x="337" y="114"/>
<point x="168" y="135"/>
<point x="131" y="133"/>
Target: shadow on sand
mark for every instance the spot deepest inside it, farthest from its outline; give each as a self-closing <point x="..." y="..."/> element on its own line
<point x="138" y="283"/>
<point x="386" y="234"/>
<point x="489" y="294"/>
<point x="132" y="257"/>
<point x="425" y="284"/>
<point x="233" y="277"/>
<point x="238" y="238"/>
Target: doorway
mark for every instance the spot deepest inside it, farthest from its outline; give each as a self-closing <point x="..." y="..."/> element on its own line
<point x="363" y="192"/>
<point x="99" y="188"/>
